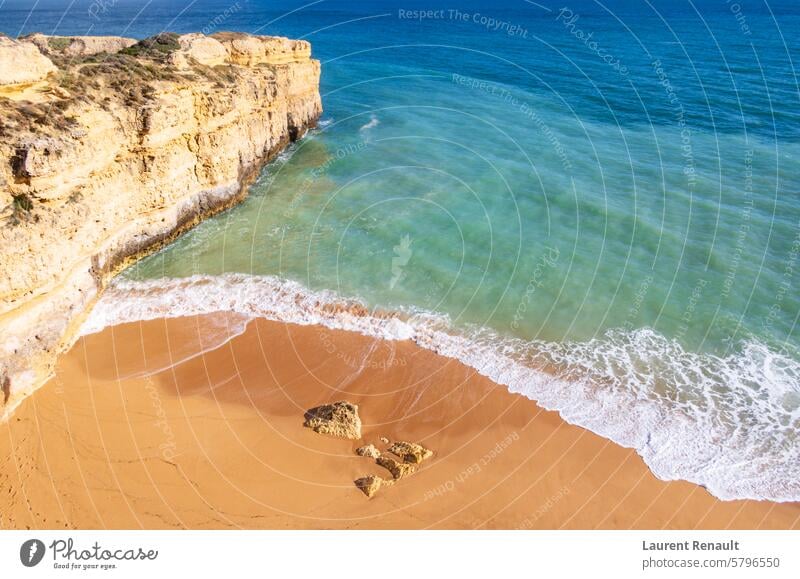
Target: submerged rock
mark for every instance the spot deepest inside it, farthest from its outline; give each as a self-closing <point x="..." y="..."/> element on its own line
<point x="398" y="469"/>
<point x="370" y="484"/>
<point x="337" y="419"/>
<point x="410" y="451"/>
<point x="368" y="450"/>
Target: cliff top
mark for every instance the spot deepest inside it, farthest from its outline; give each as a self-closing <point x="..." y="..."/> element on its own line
<point x="49" y="83"/>
<point x="38" y="68"/>
<point x="31" y="58"/>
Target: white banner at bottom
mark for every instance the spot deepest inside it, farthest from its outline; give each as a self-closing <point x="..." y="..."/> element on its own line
<point x="388" y="554"/>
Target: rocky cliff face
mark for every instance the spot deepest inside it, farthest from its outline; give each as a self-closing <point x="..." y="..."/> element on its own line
<point x="106" y="155"/>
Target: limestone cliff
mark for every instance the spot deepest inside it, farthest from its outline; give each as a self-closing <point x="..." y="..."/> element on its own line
<point x="106" y="155"/>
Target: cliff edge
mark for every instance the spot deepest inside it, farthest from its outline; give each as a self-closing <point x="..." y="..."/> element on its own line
<point x="109" y="148"/>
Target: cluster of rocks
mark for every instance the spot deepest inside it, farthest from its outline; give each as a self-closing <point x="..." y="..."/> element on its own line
<point x="341" y="419"/>
<point x="410" y="454"/>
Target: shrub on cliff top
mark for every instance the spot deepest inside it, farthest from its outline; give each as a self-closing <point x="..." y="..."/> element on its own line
<point x="17" y="117"/>
<point x="58" y="43"/>
<point x="156" y="46"/>
<point x="116" y="65"/>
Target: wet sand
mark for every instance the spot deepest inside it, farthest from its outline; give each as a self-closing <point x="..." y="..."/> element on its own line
<point x="141" y="429"/>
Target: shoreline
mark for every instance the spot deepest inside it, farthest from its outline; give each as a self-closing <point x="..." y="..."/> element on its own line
<point x="187" y="423"/>
<point x="172" y="161"/>
<point x="198" y="208"/>
<point x="189" y="213"/>
<point x="573" y="379"/>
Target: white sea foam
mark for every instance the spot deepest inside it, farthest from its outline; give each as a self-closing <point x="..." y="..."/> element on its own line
<point x="728" y="423"/>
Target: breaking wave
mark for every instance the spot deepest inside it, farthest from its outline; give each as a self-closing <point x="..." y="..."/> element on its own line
<point x="727" y="423"/>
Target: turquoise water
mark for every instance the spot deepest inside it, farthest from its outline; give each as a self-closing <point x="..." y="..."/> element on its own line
<point x="613" y="195"/>
<point x="459" y="211"/>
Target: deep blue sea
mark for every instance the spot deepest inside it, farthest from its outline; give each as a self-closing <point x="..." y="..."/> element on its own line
<point x="606" y="190"/>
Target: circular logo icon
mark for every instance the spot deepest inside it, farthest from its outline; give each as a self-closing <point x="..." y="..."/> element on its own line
<point x="31" y="552"/>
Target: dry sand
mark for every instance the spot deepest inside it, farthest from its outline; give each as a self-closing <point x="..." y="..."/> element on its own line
<point x="138" y="429"/>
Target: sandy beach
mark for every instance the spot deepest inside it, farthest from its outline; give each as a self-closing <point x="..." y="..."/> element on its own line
<point x="148" y="425"/>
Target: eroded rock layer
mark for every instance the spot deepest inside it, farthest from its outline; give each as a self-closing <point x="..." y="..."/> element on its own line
<point x="110" y="148"/>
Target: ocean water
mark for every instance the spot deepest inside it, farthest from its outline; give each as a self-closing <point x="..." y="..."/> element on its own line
<point x="595" y="204"/>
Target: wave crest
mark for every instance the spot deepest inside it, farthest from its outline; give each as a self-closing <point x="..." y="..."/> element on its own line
<point x="728" y="423"/>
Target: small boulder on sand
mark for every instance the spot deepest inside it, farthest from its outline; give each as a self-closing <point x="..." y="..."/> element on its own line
<point x="337" y="419"/>
<point x="370" y="484"/>
<point x="368" y="450"/>
<point x="398" y="469"/>
<point x="410" y="451"/>
<point x="384" y="440"/>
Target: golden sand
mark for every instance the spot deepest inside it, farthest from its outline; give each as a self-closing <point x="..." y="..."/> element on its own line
<point x="142" y="429"/>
